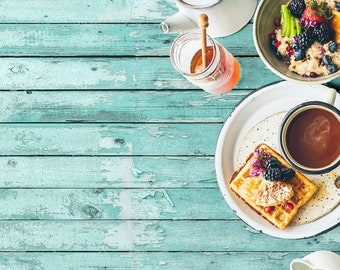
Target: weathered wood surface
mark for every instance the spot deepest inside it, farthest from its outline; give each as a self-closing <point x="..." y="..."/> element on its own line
<point x="108" y="106"/>
<point x="107" y="153"/>
<point x="149" y="235"/>
<point x="85" y="11"/>
<point x="99" y="73"/>
<point x="147" y="260"/>
<point x="100" y="39"/>
<point x="107" y="172"/>
<point x="108" y="139"/>
<point x="116" y="204"/>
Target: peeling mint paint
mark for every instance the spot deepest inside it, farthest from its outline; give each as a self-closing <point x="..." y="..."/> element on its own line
<point x="130" y="236"/>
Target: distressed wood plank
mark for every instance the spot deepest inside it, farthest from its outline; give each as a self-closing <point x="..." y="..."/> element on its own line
<point x="117" y="106"/>
<point x="148" y="260"/>
<point x="80" y="11"/>
<point x="107" y="172"/>
<point x="106" y="139"/>
<point x="114" y="183"/>
<point x="97" y="73"/>
<point x="102" y="39"/>
<point x="122" y="204"/>
<point x="212" y="235"/>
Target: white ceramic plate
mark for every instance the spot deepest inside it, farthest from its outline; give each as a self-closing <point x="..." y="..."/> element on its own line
<point x="262" y="104"/>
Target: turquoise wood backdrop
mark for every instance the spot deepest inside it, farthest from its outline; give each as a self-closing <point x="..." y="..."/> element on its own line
<point x="107" y="154"/>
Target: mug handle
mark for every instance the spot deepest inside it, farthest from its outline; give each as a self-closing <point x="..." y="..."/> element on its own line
<point x="330" y="97"/>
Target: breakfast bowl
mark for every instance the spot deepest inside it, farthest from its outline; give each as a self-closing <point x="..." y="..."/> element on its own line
<point x="267" y="20"/>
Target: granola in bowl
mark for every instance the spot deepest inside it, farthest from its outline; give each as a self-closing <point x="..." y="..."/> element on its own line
<point x="307" y="37"/>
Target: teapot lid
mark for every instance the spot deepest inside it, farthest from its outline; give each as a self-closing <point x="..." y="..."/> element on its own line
<point x="199" y="3"/>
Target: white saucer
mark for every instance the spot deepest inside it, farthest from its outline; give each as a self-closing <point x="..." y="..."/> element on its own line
<point x="237" y="139"/>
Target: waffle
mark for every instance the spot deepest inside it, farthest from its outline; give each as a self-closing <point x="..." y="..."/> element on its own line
<point x="278" y="202"/>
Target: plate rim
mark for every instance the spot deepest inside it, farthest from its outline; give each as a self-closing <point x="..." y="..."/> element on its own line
<point x="263" y="226"/>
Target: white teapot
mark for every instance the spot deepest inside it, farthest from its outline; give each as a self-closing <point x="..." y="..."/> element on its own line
<point x="319" y="260"/>
<point x="225" y="16"/>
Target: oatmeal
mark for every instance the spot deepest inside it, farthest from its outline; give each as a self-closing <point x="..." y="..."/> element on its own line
<point x="307" y="37"/>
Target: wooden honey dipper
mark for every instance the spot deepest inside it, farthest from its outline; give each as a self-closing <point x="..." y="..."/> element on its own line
<point x="204" y="23"/>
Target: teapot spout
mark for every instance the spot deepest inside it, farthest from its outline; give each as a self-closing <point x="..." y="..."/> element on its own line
<point x="177" y="23"/>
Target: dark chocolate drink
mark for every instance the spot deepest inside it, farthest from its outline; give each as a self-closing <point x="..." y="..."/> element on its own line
<point x="313" y="138"/>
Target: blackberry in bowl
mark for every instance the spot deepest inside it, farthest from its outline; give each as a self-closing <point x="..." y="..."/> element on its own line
<point x="293" y="36"/>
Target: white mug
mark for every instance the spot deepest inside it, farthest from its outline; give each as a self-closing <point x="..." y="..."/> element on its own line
<point x="225" y="16"/>
<point x="309" y="136"/>
<point x="318" y="260"/>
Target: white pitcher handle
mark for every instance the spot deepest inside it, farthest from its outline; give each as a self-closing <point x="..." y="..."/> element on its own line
<point x="299" y="264"/>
